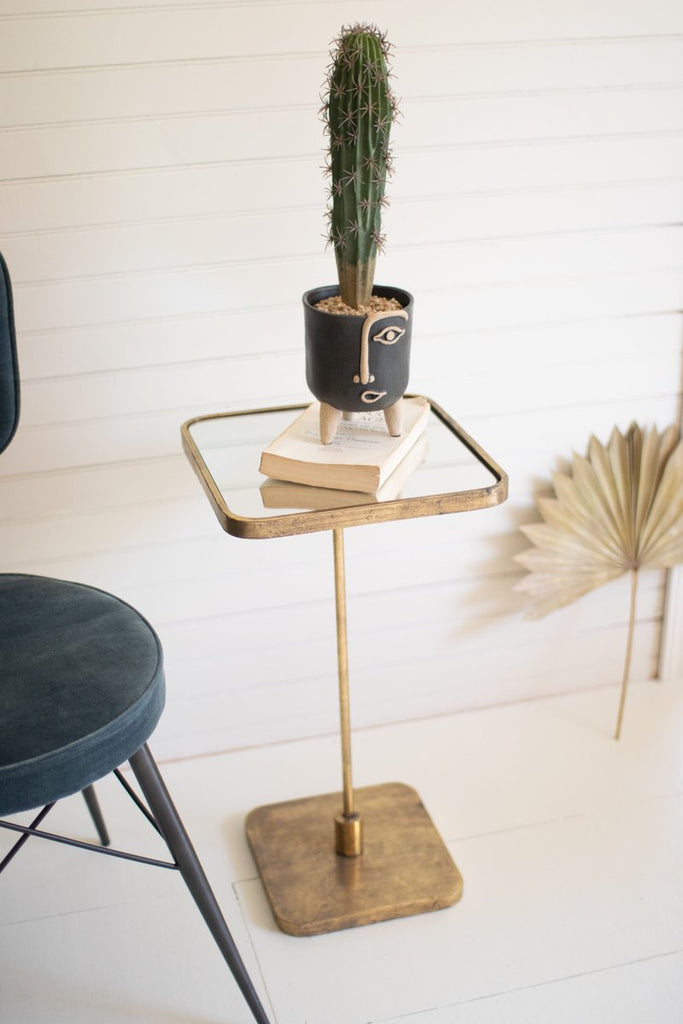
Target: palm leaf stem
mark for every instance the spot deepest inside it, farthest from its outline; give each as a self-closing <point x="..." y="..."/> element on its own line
<point x="629" y="649"/>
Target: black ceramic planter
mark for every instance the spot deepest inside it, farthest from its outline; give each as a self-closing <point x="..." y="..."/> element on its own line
<point x="356" y="363"/>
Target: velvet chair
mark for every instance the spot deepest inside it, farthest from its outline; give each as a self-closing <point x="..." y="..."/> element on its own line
<point x="81" y="690"/>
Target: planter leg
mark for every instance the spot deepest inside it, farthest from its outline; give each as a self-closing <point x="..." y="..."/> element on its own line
<point x="394" y="418"/>
<point x="329" y="421"/>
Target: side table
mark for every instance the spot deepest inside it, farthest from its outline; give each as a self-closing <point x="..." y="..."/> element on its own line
<point x="340" y="860"/>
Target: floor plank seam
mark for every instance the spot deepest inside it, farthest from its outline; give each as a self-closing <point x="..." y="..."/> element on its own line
<point x="529" y="988"/>
<point x="542" y="822"/>
<point x="261" y="971"/>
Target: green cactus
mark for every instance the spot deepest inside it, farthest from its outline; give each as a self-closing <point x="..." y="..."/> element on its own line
<point x="358" y="112"/>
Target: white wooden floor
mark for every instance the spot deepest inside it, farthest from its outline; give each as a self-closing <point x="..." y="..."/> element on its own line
<point x="571" y="847"/>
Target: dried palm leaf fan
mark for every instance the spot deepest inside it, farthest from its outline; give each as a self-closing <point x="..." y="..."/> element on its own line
<point x="619" y="510"/>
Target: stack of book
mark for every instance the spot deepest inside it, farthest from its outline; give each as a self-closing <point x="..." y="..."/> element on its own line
<point x="362" y="459"/>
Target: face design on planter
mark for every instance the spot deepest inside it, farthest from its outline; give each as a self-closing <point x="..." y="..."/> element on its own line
<point x="389" y="335"/>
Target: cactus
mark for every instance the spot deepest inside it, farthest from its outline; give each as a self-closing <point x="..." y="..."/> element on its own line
<point x="358" y="112"/>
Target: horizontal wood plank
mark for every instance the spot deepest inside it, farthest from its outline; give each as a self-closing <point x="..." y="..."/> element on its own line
<point x="234" y="186"/>
<point x="293" y="235"/>
<point x="95" y="147"/>
<point x="233" y="82"/>
<point x="112" y="36"/>
<point x="308" y="708"/>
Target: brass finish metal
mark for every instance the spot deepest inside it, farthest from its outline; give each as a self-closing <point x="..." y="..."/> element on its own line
<point x="404" y="869"/>
<point x="390" y="861"/>
<point x="343" y="671"/>
<point x="348" y="835"/>
<point x="313" y="520"/>
<point x="348" y="826"/>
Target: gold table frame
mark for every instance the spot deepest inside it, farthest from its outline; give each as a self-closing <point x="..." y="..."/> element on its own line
<point x="384" y="859"/>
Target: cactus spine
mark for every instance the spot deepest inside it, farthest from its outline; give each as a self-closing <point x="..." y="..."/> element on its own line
<point x="358" y="113"/>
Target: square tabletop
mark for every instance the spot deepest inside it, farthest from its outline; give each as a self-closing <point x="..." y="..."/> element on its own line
<point x="446" y="471"/>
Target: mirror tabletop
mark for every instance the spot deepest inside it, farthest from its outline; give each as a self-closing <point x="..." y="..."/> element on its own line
<point x="445" y="471"/>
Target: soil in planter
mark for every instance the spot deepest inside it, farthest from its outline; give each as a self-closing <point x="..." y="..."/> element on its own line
<point x="377" y="304"/>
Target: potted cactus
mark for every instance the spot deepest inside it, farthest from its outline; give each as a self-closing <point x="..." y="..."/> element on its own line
<point x="345" y="370"/>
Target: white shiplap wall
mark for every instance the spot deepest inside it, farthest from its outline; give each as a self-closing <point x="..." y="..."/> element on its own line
<point x="161" y="212"/>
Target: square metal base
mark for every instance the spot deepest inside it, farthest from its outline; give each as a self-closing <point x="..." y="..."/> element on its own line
<point x="404" y="868"/>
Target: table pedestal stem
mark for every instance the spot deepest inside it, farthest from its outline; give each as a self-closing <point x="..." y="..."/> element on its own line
<point x="347" y="825"/>
<point x="397" y="865"/>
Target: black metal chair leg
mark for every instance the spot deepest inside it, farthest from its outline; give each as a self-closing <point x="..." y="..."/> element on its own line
<point x="14" y="850"/>
<point x="93" y="803"/>
<point x="178" y="841"/>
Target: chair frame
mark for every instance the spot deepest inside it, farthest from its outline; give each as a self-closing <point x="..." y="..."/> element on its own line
<point x="164" y="818"/>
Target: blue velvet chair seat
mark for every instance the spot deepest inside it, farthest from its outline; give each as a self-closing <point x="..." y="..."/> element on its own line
<point x="81" y="687"/>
